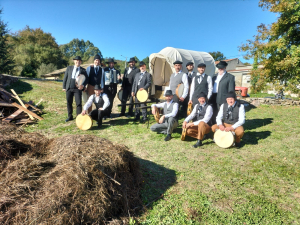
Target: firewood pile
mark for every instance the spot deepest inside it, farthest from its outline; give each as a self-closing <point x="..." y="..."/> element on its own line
<point x="14" y="110"/>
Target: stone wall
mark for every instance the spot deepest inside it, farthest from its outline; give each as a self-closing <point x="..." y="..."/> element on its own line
<point x="272" y="101"/>
<point x="6" y="80"/>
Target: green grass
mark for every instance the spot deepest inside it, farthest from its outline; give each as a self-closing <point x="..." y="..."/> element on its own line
<point x="257" y="184"/>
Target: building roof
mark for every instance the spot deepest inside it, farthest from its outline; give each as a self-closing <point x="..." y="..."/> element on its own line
<point x="226" y="60"/>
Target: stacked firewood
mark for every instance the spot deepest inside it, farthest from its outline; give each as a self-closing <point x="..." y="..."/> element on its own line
<point x="14" y="110"/>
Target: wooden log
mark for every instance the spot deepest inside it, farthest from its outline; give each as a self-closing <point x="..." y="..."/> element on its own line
<point x="12" y="116"/>
<point x="27" y="111"/>
<point x="5" y="104"/>
<point x="21" y="102"/>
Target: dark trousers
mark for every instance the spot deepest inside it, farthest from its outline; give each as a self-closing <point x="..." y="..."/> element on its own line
<point x="126" y="93"/>
<point x="185" y="105"/>
<point x="138" y="111"/>
<point x="213" y="102"/>
<point x="69" y="95"/>
<point x="98" y="115"/>
<point x="111" y="91"/>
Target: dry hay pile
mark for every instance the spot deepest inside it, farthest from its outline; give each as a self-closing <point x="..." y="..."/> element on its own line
<point x="74" y="179"/>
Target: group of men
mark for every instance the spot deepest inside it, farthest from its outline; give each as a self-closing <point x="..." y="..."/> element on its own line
<point x="215" y="105"/>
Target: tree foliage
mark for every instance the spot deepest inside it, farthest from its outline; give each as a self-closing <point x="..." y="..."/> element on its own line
<point x="6" y="61"/>
<point x="218" y="56"/>
<point x="76" y="47"/>
<point x="45" y="68"/>
<point x="277" y="46"/>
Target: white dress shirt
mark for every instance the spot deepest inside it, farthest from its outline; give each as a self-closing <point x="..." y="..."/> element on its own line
<point x="199" y="79"/>
<point x="207" y="116"/>
<point x="185" y="83"/>
<point x="216" y="84"/>
<point x="75" y="72"/>
<point x="90" y="101"/>
<point x="241" y="120"/>
<point x="162" y="105"/>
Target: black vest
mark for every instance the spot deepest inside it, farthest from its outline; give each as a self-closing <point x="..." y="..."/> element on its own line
<point x="100" y="102"/>
<point x="200" y="115"/>
<point x="234" y="116"/>
<point x="95" y="78"/>
<point x="202" y="87"/>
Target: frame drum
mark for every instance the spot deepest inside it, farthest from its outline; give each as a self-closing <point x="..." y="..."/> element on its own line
<point x="179" y="90"/>
<point x="156" y="116"/>
<point x="119" y="95"/>
<point x="84" y="122"/>
<point x="142" y="96"/>
<point x="224" y="139"/>
<point x="183" y="134"/>
<point x="189" y="109"/>
<point x="79" y="80"/>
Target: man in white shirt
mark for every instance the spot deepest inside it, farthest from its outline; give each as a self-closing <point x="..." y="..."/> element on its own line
<point x="101" y="102"/>
<point x="168" y="122"/>
<point x="201" y="116"/>
<point x="231" y="117"/>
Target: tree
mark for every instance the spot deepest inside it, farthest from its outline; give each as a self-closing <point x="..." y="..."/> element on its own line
<point x="218" y="56"/>
<point x="45" y="68"/>
<point x="277" y="46"/>
<point x="76" y="47"/>
<point x="6" y="61"/>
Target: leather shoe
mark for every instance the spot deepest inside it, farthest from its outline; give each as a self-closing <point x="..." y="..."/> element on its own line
<point x="198" y="144"/>
<point x="168" y="138"/>
<point x="104" y="118"/>
<point x="69" y="119"/>
<point x="237" y="145"/>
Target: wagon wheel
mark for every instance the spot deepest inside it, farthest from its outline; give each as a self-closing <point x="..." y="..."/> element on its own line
<point x="238" y="93"/>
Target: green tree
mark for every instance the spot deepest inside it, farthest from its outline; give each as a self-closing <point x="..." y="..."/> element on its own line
<point x="45" y="68"/>
<point x="218" y="56"/>
<point x="277" y="46"/>
<point x="6" y="61"/>
<point x="76" y="47"/>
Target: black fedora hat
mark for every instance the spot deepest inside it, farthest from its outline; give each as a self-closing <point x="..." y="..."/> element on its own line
<point x="77" y="58"/>
<point x="142" y="63"/>
<point x="97" y="87"/>
<point x="132" y="59"/>
<point x="97" y="57"/>
<point x="222" y="65"/>
<point x="177" y="62"/>
<point x="168" y="93"/>
<point x="110" y="60"/>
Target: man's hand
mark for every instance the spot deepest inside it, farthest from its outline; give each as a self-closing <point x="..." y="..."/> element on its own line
<point x="190" y="102"/>
<point x="100" y="109"/>
<point x="121" y="88"/>
<point x="132" y="94"/>
<point x="64" y="89"/>
<point x="161" y="120"/>
<point x="184" y="124"/>
<point x="222" y="128"/>
<point x="80" y="87"/>
<point x="181" y="99"/>
<point x="119" y="77"/>
<point x="83" y="112"/>
<point x="141" y="89"/>
<point x="153" y="110"/>
<point x="189" y="125"/>
<point x="91" y="65"/>
<point x="227" y="129"/>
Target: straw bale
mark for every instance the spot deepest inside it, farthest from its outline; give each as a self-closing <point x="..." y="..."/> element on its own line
<point x="74" y="179"/>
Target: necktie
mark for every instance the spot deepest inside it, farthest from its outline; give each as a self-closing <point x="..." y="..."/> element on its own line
<point x="96" y="69"/>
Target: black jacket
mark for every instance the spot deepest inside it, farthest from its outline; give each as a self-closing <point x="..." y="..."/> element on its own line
<point x="68" y="77"/>
<point x="144" y="83"/>
<point x="226" y="84"/>
<point x="128" y="79"/>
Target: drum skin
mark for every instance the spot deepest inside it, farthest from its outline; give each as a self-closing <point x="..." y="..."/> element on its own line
<point x="84" y="122"/>
<point x="179" y="90"/>
<point x="183" y="134"/>
<point x="224" y="139"/>
<point x="142" y="96"/>
<point x="80" y="80"/>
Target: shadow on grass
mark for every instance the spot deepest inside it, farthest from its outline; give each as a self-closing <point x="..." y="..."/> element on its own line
<point x="255" y="123"/>
<point x="252" y="137"/>
<point x="20" y="87"/>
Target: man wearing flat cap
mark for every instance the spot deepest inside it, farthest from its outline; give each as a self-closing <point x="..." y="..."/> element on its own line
<point x="169" y="121"/>
<point x="129" y="75"/>
<point x="142" y="81"/>
<point x="200" y="83"/>
<point x="101" y="102"/>
<point x="231" y="117"/>
<point x="95" y="74"/>
<point x="112" y="78"/>
<point x="201" y="116"/>
<point x="72" y="89"/>
<point x="223" y="82"/>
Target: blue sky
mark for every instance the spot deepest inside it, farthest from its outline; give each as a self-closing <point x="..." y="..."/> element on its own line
<point x="139" y="28"/>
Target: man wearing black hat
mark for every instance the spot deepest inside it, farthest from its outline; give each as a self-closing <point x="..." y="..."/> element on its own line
<point x="142" y="81"/>
<point x="231" y="117"/>
<point x="223" y="82"/>
<point x="190" y="75"/>
<point x="95" y="74"/>
<point x="129" y="75"/>
<point x="101" y="102"/>
<point x="112" y="78"/>
<point x="201" y="116"/>
<point x="69" y="86"/>
<point x="200" y="83"/>
<point x="169" y="121"/>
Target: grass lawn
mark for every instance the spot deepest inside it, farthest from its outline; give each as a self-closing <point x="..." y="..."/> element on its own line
<point x="257" y="184"/>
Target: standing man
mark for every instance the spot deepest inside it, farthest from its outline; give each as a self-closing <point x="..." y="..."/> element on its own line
<point x="112" y="78"/>
<point x="231" y="117"/>
<point x="129" y="75"/>
<point x="201" y="116"/>
<point x="95" y="74"/>
<point x="71" y="89"/>
<point x="223" y="82"/>
<point x="200" y="83"/>
<point x="190" y="74"/>
<point x="168" y="122"/>
<point x="142" y="81"/>
<point x="101" y="102"/>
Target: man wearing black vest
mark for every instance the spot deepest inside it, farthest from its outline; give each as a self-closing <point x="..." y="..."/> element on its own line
<point x="95" y="74"/>
<point x="101" y="102"/>
<point x="190" y="75"/>
<point x="231" y="117"/>
<point x="129" y="75"/>
<point x="200" y="83"/>
<point x="169" y="121"/>
<point x="71" y="89"/>
<point x="201" y="116"/>
<point x="223" y="82"/>
<point x="112" y="78"/>
<point x="142" y="81"/>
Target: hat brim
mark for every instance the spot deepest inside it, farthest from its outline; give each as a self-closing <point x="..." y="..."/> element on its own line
<point x="77" y="59"/>
<point x="221" y="66"/>
<point x="132" y="61"/>
<point x="111" y="62"/>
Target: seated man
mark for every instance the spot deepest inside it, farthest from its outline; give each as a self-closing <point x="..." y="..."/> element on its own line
<point x="168" y="122"/>
<point x="201" y="115"/>
<point x="101" y="102"/>
<point x="231" y="117"/>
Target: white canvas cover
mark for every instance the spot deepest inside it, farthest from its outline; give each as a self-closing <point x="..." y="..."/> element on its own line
<point x="161" y="64"/>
